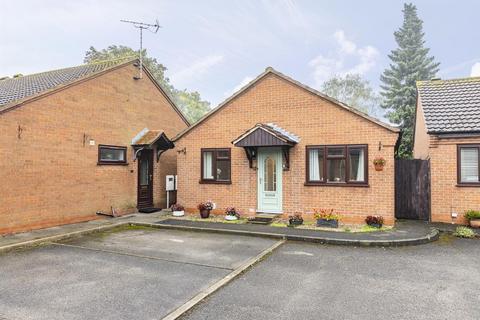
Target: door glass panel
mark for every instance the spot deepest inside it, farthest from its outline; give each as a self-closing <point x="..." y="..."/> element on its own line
<point x="144" y="173"/>
<point x="270" y="174"/>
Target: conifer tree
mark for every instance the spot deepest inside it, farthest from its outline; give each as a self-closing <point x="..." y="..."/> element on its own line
<point x="409" y="62"/>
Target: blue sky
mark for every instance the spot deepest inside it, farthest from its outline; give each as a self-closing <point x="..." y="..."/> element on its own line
<point x="217" y="46"/>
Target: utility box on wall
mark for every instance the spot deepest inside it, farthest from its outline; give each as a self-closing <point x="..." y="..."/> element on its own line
<point x="171" y="183"/>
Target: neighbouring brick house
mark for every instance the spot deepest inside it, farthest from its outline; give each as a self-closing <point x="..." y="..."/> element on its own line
<point x="80" y="140"/>
<point x="278" y="146"/>
<point x="447" y="132"/>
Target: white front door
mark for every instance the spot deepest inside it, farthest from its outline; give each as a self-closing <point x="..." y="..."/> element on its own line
<point x="269" y="178"/>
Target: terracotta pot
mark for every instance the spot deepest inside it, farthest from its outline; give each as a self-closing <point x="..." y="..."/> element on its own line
<point x="475" y="223"/>
<point x="204" y="213"/>
<point x="379" y="167"/>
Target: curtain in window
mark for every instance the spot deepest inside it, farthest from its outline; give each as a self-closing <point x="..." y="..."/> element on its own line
<point x="361" y="166"/>
<point x="207" y="165"/>
<point x="469" y="165"/>
<point x="314" y="165"/>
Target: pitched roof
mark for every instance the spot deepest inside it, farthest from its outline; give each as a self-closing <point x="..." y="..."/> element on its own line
<point x="270" y="70"/>
<point x="451" y="106"/>
<point x="14" y="89"/>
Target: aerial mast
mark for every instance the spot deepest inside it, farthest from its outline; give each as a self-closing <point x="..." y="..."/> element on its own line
<point x="141" y="26"/>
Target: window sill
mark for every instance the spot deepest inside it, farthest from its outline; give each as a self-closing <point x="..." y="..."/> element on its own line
<point x="463" y="185"/>
<point x="112" y="163"/>
<point x="337" y="184"/>
<point x="214" y="182"/>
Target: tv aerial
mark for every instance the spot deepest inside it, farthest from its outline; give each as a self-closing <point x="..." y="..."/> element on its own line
<point x="143" y="26"/>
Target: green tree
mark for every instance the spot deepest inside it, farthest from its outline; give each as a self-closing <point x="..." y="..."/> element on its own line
<point x="191" y="103"/>
<point x="354" y="91"/>
<point x="409" y="62"/>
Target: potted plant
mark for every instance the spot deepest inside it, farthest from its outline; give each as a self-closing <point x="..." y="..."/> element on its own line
<point x="326" y="218"/>
<point x="205" y="208"/>
<point x="177" y="210"/>
<point x="295" y="219"/>
<point x="231" y="214"/>
<point x="379" y="163"/>
<point x="473" y="218"/>
<point x="374" y="221"/>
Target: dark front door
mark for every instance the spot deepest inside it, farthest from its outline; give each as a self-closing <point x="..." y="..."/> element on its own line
<point x="145" y="179"/>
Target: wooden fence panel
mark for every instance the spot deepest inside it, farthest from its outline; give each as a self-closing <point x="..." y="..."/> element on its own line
<point x="412" y="189"/>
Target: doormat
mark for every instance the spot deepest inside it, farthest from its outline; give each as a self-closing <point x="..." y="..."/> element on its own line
<point x="149" y="210"/>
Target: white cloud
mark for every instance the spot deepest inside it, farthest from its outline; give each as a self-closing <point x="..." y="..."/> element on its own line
<point x="239" y="86"/>
<point x="347" y="58"/>
<point x="196" y="70"/>
<point x="475" y="70"/>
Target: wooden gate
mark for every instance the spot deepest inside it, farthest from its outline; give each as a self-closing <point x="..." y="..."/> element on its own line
<point x="412" y="189"/>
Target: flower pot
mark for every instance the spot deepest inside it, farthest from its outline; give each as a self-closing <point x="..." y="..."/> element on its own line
<point x="204" y="213"/>
<point x="294" y="222"/>
<point x="379" y="167"/>
<point x="178" y="213"/>
<point x="375" y="225"/>
<point x="475" y="223"/>
<point x="327" y="223"/>
<point x="230" y="217"/>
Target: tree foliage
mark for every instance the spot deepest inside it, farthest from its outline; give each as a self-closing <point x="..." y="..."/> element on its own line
<point x="190" y="103"/>
<point x="409" y="62"/>
<point x="354" y="91"/>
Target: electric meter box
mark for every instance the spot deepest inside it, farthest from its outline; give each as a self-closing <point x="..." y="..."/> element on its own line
<point x="170" y="183"/>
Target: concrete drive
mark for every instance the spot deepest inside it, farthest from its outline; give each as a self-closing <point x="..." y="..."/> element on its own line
<point x="132" y="274"/>
<point x="440" y="280"/>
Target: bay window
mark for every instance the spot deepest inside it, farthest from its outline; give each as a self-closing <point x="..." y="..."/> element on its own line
<point x="337" y="165"/>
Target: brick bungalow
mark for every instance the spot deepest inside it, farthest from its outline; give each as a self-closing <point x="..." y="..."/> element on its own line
<point x="278" y="146"/>
<point x="84" y="139"/>
<point x="447" y="132"/>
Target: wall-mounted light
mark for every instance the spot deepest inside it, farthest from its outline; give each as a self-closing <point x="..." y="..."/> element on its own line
<point x="183" y="150"/>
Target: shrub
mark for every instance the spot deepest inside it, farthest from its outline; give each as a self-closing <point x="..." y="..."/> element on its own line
<point x="326" y="214"/>
<point x="373" y="220"/>
<point x="472" y="214"/>
<point x="207" y="205"/>
<point x="177" y="207"/>
<point x="464" y="232"/>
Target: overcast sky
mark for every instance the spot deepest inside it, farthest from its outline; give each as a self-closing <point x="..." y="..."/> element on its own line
<point x="217" y="46"/>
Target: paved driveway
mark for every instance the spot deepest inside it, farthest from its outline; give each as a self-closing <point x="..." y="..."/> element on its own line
<point x="133" y="274"/>
<point x="305" y="281"/>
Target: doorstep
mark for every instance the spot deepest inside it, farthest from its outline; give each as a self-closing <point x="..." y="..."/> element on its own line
<point x="405" y="233"/>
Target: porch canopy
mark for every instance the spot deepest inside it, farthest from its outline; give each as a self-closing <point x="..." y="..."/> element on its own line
<point x="152" y="139"/>
<point x="266" y="135"/>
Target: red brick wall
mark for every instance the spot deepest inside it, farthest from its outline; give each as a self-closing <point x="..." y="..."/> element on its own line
<point x="49" y="176"/>
<point x="316" y="121"/>
<point x="446" y="196"/>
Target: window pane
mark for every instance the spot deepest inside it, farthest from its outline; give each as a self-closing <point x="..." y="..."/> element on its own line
<point x="315" y="161"/>
<point x="469" y="165"/>
<point x="336" y="152"/>
<point x="357" y="164"/>
<point x="336" y="170"/>
<point x="222" y="154"/>
<point x="223" y="170"/>
<point x="108" y="154"/>
<point x="208" y="165"/>
<point x="270" y="174"/>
